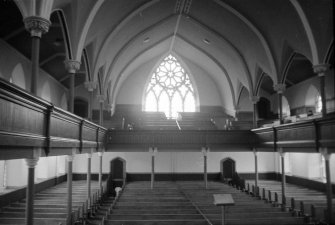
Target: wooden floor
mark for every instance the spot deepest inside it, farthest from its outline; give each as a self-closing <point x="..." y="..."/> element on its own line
<point x="186" y="203"/>
<point x="169" y="203"/>
<point x="50" y="205"/>
<point x="299" y="200"/>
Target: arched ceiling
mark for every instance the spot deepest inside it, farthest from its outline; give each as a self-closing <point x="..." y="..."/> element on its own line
<point x="234" y="41"/>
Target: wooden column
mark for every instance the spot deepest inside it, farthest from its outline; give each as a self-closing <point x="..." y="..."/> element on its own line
<point x="326" y="155"/>
<point x="283" y="181"/>
<point x="153" y="152"/>
<point x="280" y="88"/>
<point x="88" y="178"/>
<point x="90" y="85"/>
<point x="69" y="188"/>
<point x="204" y="153"/>
<point x="71" y="66"/>
<point x="100" y="154"/>
<point x="31" y="163"/>
<point x="101" y="100"/>
<point x="320" y="71"/>
<point x="256" y="171"/>
<point x="36" y="26"/>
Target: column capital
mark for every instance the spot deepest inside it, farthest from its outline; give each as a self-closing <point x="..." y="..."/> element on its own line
<point x="110" y="106"/>
<point x="36" y="25"/>
<point x="90" y="85"/>
<point x="324" y="152"/>
<point x="89" y="155"/>
<point x="72" y="65"/>
<point x="101" y="98"/>
<point x="254" y="99"/>
<point x="279" y="88"/>
<point x="255" y="151"/>
<point x="153" y="151"/>
<point x="204" y="151"/>
<point x="100" y="154"/>
<point x="70" y="158"/>
<point x="31" y="163"/>
<point x="321" y="69"/>
<point x="281" y="152"/>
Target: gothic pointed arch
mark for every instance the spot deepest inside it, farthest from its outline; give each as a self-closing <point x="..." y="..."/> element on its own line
<point x="170" y="89"/>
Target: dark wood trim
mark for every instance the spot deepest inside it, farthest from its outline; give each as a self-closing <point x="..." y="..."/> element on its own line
<point x="94" y="176"/>
<point x="172" y="176"/>
<point x="171" y="140"/>
<point x="28" y="122"/>
<point x="303" y="136"/>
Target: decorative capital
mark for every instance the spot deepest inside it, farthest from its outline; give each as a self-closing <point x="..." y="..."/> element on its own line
<point x="70" y="158"/>
<point x="101" y="98"/>
<point x="255" y="151"/>
<point x="36" y="25"/>
<point x="281" y="152"/>
<point x="72" y="65"/>
<point x="279" y="88"/>
<point x="324" y="153"/>
<point x="153" y="151"/>
<point x="90" y="85"/>
<point x="89" y="155"/>
<point x="100" y="154"/>
<point x="204" y="151"/>
<point x="254" y="99"/>
<point x="321" y="69"/>
<point x="31" y="163"/>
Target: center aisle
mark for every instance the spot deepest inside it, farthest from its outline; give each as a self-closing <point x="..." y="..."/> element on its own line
<point x="177" y="203"/>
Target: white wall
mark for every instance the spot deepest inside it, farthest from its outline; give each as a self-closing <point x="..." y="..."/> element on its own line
<point x="305" y="165"/>
<point x="245" y="103"/>
<point x="176" y="162"/>
<point x="132" y="89"/>
<point x="296" y="95"/>
<point x="15" y="66"/>
<point x="17" y="172"/>
<point x="2" y="173"/>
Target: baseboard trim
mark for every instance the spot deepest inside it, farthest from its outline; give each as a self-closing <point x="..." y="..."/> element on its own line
<point x="83" y="176"/>
<point x="171" y="176"/>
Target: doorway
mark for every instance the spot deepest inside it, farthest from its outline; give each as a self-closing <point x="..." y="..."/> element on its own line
<point x="228" y="169"/>
<point x="117" y="174"/>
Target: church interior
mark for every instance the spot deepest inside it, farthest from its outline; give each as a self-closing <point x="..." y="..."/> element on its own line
<point x="172" y="112"/>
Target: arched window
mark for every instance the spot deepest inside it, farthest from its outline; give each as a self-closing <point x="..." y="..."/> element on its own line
<point x="170" y="89"/>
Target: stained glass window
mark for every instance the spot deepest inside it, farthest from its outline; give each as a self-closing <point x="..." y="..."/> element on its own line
<point x="170" y="89"/>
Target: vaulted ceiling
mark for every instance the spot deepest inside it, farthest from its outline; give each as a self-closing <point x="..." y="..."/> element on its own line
<point x="237" y="42"/>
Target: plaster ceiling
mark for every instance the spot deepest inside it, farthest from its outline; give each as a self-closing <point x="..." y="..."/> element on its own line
<point x="234" y="41"/>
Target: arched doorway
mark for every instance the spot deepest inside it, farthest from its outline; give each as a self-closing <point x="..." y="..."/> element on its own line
<point x="228" y="169"/>
<point x="117" y="174"/>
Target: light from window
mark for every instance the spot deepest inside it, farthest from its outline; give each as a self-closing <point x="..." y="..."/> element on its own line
<point x="318" y="104"/>
<point x="170" y="89"/>
<point x="322" y="168"/>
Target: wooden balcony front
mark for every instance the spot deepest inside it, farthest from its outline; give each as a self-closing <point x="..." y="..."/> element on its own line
<point x="28" y="123"/>
<point x="179" y="140"/>
<point x="306" y="136"/>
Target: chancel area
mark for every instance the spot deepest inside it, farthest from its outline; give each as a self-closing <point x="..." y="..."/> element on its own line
<point x="168" y="112"/>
